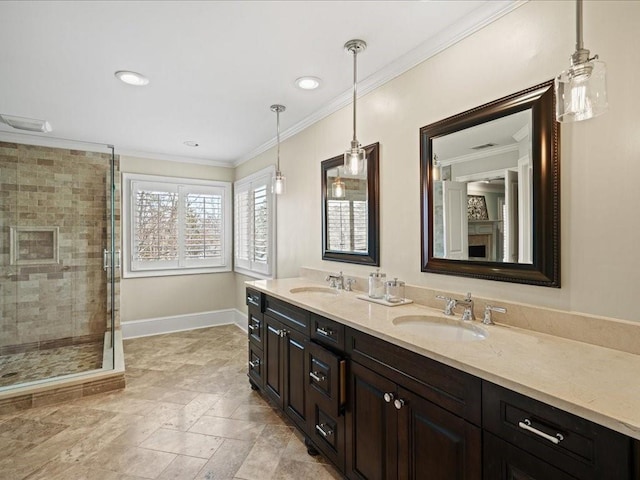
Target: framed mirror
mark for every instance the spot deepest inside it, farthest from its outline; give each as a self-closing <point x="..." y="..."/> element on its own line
<point x="490" y="191"/>
<point x="350" y="211"/>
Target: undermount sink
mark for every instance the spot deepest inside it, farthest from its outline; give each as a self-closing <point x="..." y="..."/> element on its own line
<point x="439" y="328"/>
<point x="315" y="290"/>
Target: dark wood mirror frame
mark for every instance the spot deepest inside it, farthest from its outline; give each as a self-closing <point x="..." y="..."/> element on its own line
<point x="372" y="257"/>
<point x="545" y="269"/>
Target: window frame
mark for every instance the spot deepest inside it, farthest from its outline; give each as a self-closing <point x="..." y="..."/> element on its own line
<point x="183" y="186"/>
<point x="259" y="178"/>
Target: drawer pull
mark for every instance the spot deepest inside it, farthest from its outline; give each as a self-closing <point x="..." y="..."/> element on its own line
<point x="321" y="429"/>
<point x="327" y="332"/>
<point x="254" y="327"/>
<point x="526" y="425"/>
<point x="317" y="377"/>
<point x="254" y="364"/>
<point x="388" y="397"/>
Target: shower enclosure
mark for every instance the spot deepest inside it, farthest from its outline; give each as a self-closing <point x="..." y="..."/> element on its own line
<point x="58" y="271"/>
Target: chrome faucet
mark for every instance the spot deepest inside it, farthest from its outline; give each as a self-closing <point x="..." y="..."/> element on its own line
<point x="467" y="303"/>
<point x="336" y="281"/>
<point x="449" y="305"/>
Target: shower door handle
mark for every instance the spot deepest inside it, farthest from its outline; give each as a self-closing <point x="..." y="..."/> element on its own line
<point x="106" y="259"/>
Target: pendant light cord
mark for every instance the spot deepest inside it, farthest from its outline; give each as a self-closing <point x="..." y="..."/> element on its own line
<point x="278" y="139"/>
<point x="579" y="42"/>
<point x="355" y="90"/>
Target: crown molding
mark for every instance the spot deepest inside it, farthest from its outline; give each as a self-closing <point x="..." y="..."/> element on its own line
<point x="476" y="20"/>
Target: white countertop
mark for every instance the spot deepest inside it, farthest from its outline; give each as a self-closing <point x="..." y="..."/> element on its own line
<point x="597" y="383"/>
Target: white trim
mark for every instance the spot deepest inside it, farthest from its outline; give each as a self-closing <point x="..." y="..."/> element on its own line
<point x="128" y="180"/>
<point x="479" y="176"/>
<point x="484" y="153"/>
<point x="180" y="323"/>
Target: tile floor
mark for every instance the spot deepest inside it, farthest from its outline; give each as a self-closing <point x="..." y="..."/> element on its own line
<point x="187" y="413"/>
<point x="49" y="363"/>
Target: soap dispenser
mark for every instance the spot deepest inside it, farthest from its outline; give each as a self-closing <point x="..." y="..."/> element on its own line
<point x="376" y="284"/>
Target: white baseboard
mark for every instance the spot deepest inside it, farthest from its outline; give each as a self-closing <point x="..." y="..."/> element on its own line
<point x="179" y="323"/>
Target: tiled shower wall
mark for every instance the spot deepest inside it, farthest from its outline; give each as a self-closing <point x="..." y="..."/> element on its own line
<point x="43" y="301"/>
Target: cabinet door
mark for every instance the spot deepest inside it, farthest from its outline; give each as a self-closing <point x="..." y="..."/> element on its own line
<point x="273" y="371"/>
<point x="503" y="461"/>
<point x="434" y="443"/>
<point x="295" y="379"/>
<point x="371" y="426"/>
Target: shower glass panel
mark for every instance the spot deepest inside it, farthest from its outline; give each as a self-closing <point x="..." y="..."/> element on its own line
<point x="58" y="271"/>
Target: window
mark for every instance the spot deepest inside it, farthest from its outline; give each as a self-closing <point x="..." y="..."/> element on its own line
<point x="175" y="226"/>
<point x="347" y="222"/>
<point x="254" y="219"/>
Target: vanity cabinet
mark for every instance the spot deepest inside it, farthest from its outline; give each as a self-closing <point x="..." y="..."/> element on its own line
<point x="527" y="439"/>
<point x="284" y="378"/>
<point x="395" y="428"/>
<point x="380" y="412"/>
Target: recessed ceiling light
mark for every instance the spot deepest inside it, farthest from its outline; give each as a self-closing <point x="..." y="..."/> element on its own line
<point x="308" y="83"/>
<point x="132" y="78"/>
<point x="191" y="143"/>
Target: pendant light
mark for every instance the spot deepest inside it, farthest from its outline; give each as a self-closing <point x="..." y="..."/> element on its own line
<point x="279" y="183"/>
<point x="338" y="189"/>
<point x="581" y="90"/>
<point x="355" y="156"/>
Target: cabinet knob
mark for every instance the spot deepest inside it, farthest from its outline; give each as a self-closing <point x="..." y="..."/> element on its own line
<point x="283" y="333"/>
<point x="398" y="403"/>
<point x="388" y="397"/>
<point x="254" y="364"/>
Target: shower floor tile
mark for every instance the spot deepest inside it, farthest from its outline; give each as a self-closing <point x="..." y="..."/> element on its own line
<point x="34" y="365"/>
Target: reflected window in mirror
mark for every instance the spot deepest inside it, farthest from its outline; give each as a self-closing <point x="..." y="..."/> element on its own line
<point x="350" y="219"/>
<point x="489" y="184"/>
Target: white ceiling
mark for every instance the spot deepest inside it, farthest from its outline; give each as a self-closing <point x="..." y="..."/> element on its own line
<point x="215" y="66"/>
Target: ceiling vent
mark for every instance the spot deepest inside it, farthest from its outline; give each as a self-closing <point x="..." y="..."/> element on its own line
<point x="482" y="147"/>
<point x="30" y="124"/>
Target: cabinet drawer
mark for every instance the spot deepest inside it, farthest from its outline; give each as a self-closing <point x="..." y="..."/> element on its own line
<point x="255" y="299"/>
<point x="327" y="332"/>
<point x="328" y="434"/>
<point x="256" y="361"/>
<point x="255" y="326"/>
<point x="575" y="445"/>
<point x="456" y="391"/>
<point x="326" y="374"/>
<point x="290" y="315"/>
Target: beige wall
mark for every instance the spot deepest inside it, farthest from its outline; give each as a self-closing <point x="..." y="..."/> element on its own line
<point x="143" y="298"/>
<point x="600" y="158"/>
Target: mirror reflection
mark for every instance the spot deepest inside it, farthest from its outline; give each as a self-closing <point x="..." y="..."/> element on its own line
<point x="490" y="199"/>
<point x="347" y="211"/>
<point x="482" y="192"/>
<point x="350" y="222"/>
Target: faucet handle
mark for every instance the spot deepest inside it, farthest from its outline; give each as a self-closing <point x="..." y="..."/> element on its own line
<point x="450" y="304"/>
<point x="348" y="287"/>
<point x="487" y="320"/>
<point x="468" y="297"/>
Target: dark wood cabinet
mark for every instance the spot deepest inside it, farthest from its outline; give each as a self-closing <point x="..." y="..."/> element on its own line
<point x="396" y="434"/>
<point x="528" y="437"/>
<point x="381" y="412"/>
<point x="284" y="372"/>
<point x="434" y="443"/>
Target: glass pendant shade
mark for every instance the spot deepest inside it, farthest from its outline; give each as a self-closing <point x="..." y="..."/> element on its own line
<point x="280" y="184"/>
<point x="354" y="159"/>
<point x="581" y="92"/>
<point x="338" y="189"/>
